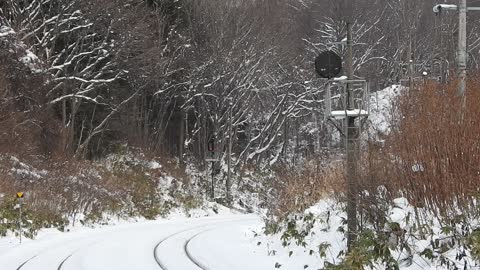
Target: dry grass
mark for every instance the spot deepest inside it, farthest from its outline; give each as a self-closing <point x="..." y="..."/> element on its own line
<point x="433" y="154"/>
<point x="299" y="190"/>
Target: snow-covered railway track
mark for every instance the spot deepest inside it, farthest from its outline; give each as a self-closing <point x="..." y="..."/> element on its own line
<point x="189" y="254"/>
<point x="25" y="262"/>
<point x="53" y="256"/>
<point x="20" y="267"/>
<point x="187" y="244"/>
<point x="178" y="245"/>
<point x="159" y="244"/>
<point x="63" y="262"/>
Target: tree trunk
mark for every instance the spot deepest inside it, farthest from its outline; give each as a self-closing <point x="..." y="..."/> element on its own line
<point x="181" y="138"/>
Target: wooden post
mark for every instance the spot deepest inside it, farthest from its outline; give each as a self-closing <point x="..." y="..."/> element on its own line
<point x="181" y="138"/>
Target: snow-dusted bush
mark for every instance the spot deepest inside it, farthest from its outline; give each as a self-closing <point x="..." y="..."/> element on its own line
<point x="127" y="185"/>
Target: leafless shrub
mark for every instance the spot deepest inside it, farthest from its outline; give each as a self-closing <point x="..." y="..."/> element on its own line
<point x="299" y="190"/>
<point x="432" y="156"/>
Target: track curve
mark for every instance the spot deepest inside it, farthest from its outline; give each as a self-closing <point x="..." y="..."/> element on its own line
<point x="63" y="262"/>
<point x="155" y="250"/>
<point x="25" y="262"/>
<point x="123" y="247"/>
<point x="189" y="253"/>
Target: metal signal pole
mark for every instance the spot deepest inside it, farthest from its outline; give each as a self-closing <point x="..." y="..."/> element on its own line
<point x="462" y="41"/>
<point x="351" y="140"/>
<point x="351" y="150"/>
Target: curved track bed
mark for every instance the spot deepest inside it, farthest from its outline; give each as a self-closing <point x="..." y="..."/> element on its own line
<point x="121" y="247"/>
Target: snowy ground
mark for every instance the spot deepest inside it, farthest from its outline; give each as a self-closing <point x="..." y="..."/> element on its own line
<point x="224" y="241"/>
<point x="167" y="244"/>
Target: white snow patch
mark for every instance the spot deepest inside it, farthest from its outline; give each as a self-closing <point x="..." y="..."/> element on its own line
<point x="381" y="105"/>
<point x="6" y="31"/>
<point x="345" y="113"/>
<point x="154" y="165"/>
<point x="29" y="59"/>
<point x="342" y="78"/>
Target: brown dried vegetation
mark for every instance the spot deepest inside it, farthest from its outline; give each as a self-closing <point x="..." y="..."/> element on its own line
<point x="299" y="190"/>
<point x="432" y="156"/>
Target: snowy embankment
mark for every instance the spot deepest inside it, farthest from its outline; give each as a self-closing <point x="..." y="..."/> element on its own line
<point x="325" y="243"/>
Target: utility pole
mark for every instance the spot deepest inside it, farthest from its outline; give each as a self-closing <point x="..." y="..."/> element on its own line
<point x="462" y="41"/>
<point x="328" y="65"/>
<point x="462" y="50"/>
<point x="411" y="64"/>
<point x="229" y="162"/>
<point x="352" y="138"/>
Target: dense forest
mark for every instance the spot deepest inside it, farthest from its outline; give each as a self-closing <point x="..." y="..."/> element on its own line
<point x="138" y="108"/>
<point x="167" y="76"/>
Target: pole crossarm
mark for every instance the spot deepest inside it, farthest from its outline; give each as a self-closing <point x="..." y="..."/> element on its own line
<point x="439" y="8"/>
<point x="462" y="60"/>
